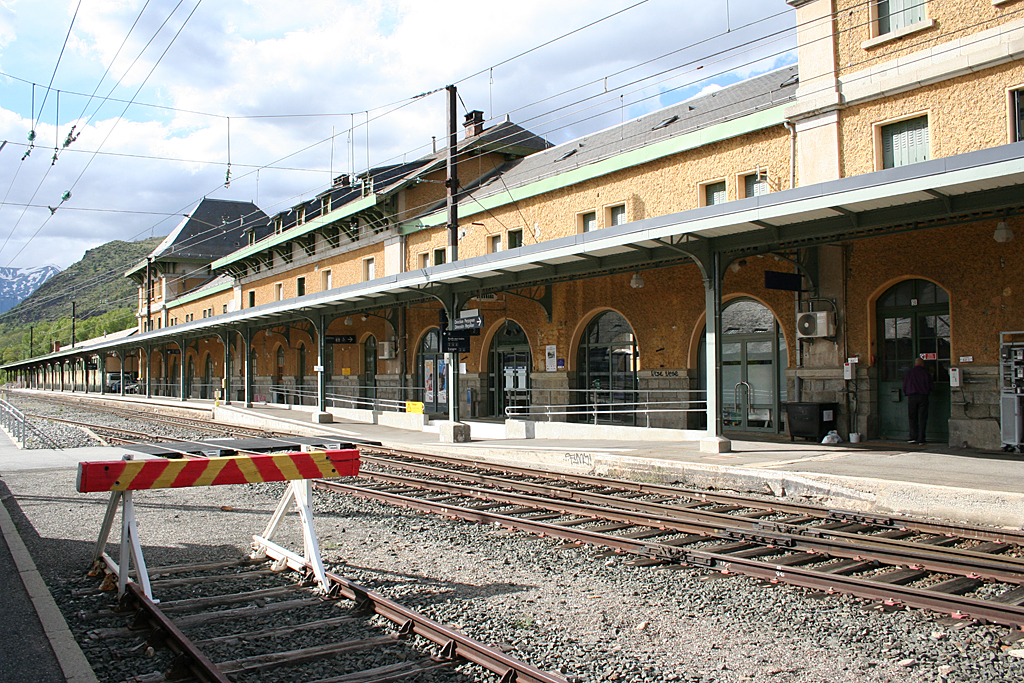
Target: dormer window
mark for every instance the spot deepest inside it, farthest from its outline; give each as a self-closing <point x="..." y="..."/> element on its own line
<point x="278" y="225"/>
<point x="325" y="205"/>
<point x="300" y="215"/>
<point x="252" y="236"/>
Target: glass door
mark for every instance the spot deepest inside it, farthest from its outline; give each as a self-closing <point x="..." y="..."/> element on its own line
<point x="509" y="370"/>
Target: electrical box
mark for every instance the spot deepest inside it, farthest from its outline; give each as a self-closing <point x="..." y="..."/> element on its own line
<point x="847" y="370"/>
<point x="814" y="324"/>
<point x="954" y="377"/>
<point x="386" y="350"/>
<point x="1011" y="391"/>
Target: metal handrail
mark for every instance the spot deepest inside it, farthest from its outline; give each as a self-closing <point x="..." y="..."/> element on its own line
<point x="598" y="410"/>
<point x="18" y="426"/>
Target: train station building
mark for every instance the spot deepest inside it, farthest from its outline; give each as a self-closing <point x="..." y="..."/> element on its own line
<point x="795" y="239"/>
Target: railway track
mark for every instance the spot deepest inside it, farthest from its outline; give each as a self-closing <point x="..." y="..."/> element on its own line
<point x="237" y="621"/>
<point x="962" y="570"/>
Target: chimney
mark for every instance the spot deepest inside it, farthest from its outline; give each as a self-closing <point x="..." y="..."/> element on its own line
<point x="474" y="123"/>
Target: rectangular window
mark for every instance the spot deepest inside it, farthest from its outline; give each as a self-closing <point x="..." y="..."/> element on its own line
<point x="587" y="221"/>
<point x="325" y="280"/>
<point x="1017" y="114"/>
<point x="515" y="239"/>
<point x="368" y="269"/>
<point x="325" y="205"/>
<point x="440" y="256"/>
<point x="278" y="292"/>
<point x="252" y="299"/>
<point x="252" y="237"/>
<point x="224" y="308"/>
<point x="300" y="286"/>
<point x="300" y="215"/>
<point x="755" y="185"/>
<point x="278" y="224"/>
<point x="494" y="244"/>
<point x="714" y="193"/>
<point x="617" y="214"/>
<point x="204" y="312"/>
<point x="896" y="14"/>
<point x="905" y="142"/>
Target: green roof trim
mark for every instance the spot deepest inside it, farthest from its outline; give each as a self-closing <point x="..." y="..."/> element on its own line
<point x="198" y="294"/>
<point x="692" y="140"/>
<point x="297" y="231"/>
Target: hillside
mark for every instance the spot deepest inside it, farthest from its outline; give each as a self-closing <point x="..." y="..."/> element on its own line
<point x="104" y="301"/>
<point x="16" y="284"/>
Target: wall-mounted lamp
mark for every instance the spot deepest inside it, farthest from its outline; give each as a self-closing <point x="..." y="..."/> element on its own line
<point x="736" y="265"/>
<point x="636" y="282"/>
<point x="1002" y="234"/>
<point x="348" y="320"/>
<point x="364" y="317"/>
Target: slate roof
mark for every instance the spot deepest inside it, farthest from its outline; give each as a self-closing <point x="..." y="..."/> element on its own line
<point x="731" y="102"/>
<point x="215" y="228"/>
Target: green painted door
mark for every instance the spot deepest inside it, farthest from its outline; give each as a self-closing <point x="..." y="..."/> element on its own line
<point x="913" y="320"/>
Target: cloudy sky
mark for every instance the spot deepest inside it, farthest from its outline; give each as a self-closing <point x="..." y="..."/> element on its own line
<point x="296" y="82"/>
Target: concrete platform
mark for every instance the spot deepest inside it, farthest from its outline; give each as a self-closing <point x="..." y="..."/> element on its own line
<point x="883" y="477"/>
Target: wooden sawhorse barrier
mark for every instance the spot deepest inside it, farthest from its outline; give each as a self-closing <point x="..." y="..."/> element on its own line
<point x="122" y="477"/>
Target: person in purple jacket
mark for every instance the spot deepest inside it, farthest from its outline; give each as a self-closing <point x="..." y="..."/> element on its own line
<point x="917" y="385"/>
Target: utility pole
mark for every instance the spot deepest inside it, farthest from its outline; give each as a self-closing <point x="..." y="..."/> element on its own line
<point x="72" y="324"/>
<point x="452" y="183"/>
<point x="149" y="294"/>
<point x="31" y="332"/>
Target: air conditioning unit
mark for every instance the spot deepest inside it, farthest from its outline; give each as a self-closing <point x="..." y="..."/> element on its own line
<point x="814" y="324"/>
<point x="386" y="350"/>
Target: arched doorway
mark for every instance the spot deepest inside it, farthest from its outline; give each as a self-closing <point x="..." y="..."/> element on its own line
<point x="606" y="371"/>
<point x="300" y="377"/>
<point x="913" y="320"/>
<point x="368" y="386"/>
<point x="754" y="361"/>
<point x="206" y="390"/>
<point x="278" y="388"/>
<point x="432" y="376"/>
<point x="190" y="377"/>
<point x="508" y="369"/>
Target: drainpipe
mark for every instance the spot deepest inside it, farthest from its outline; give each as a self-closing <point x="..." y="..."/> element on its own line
<point x="792" y="153"/>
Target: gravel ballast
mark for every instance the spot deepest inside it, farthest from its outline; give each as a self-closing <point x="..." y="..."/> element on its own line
<point x="574" y="610"/>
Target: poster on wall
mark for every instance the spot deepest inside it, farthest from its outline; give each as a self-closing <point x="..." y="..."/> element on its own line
<point x="428" y="380"/>
<point x="442" y="381"/>
<point x="551" y="358"/>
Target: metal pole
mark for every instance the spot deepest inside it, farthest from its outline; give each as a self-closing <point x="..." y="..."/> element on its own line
<point x="452" y="183"/>
<point x="247" y="365"/>
<point x="321" y="355"/>
<point x="31" y="341"/>
<point x="149" y="295"/>
<point x="72" y="324"/>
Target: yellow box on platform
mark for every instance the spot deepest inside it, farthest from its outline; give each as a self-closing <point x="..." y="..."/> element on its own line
<point x="414" y="407"/>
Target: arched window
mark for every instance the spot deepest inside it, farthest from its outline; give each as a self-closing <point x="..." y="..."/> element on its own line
<point x="606" y="370"/>
<point x="509" y="369"/>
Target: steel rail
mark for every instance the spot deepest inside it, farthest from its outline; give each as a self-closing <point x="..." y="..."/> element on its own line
<point x="1006" y="568"/>
<point x="971" y="531"/>
<point x="188" y="655"/>
<point x="956" y="605"/>
<point x="453" y="642"/>
<point x="945" y="560"/>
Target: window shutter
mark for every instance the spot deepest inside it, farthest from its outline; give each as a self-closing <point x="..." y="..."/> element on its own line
<point x="905" y="142"/>
<point x="1018" y="115"/>
<point x="754" y="187"/>
<point x="714" y="193"/>
<point x="618" y="215"/>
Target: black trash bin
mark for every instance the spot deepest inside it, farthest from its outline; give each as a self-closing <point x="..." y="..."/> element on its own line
<point x="811" y="420"/>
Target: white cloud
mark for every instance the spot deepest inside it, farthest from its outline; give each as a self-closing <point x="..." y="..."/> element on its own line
<point x="253" y="57"/>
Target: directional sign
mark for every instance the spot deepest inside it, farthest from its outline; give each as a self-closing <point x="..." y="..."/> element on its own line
<point x="474" y="322"/>
<point x="340" y="338"/>
<point x="455" y="342"/>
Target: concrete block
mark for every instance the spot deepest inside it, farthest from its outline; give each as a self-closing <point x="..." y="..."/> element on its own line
<point x="413" y="421"/>
<point x="715" y="444"/>
<point x="520" y="429"/>
<point x="454" y="432"/>
<point x="355" y="414"/>
<point x="321" y="417"/>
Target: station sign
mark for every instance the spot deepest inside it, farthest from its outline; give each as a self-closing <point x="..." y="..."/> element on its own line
<point x="929" y="356"/>
<point x="474" y="322"/>
<point x="340" y="338"/>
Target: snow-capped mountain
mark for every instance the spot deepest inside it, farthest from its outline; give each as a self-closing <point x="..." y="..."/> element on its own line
<point x="18" y="283"/>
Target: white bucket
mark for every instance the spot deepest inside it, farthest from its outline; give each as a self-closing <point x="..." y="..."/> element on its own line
<point x="854" y="437"/>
